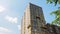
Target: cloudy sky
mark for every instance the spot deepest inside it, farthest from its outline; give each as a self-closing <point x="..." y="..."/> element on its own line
<point x="11" y="12"/>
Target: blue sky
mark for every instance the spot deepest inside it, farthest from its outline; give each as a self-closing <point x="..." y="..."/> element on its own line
<point x="11" y="12"/>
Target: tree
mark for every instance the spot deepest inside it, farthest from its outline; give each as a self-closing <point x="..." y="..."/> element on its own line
<point x="53" y="1"/>
<point x="57" y="17"/>
<point x="55" y="12"/>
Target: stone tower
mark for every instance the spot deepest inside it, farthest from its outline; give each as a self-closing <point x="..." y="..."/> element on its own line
<point x="33" y="20"/>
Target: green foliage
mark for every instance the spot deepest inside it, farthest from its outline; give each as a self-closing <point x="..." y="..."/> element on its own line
<point x="56" y="12"/>
<point x="53" y="1"/>
<point x="59" y="1"/>
<point x="57" y="17"/>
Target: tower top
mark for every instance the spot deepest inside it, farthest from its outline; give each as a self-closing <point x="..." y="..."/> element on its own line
<point x="34" y="5"/>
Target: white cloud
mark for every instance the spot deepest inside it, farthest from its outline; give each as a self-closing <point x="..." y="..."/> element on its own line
<point x="2" y="29"/>
<point x="19" y="27"/>
<point x="11" y="19"/>
<point x="1" y="33"/>
<point x="2" y="8"/>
